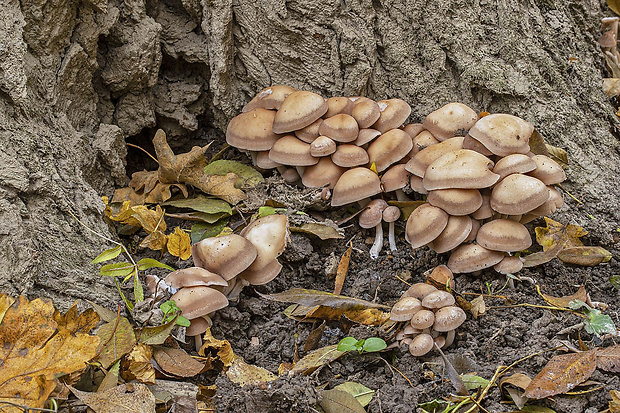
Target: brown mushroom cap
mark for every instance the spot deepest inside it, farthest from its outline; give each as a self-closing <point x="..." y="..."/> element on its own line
<point x="196" y="302"/>
<point x="419" y="291"/>
<point x="460" y="169"/>
<point x="517" y="194"/>
<point x="504" y="235"/>
<point x="252" y="130"/>
<point x="447" y="120"/>
<point x="417" y="184"/>
<point x="449" y="318"/>
<point x="299" y="110"/>
<point x="269" y="235"/>
<point x="269" y="98"/>
<point x="395" y="178"/>
<point x="421" y="345"/>
<point x="310" y="132"/>
<point x="366" y="112"/>
<point x="325" y="172"/>
<point x="227" y="255"/>
<point x="337" y="105"/>
<point x="473" y="257"/>
<point x="194" y="277"/>
<point x="485" y="211"/>
<point x="509" y="265"/>
<point x="472" y="144"/>
<point x="263" y="161"/>
<point x="322" y="146"/>
<point x="547" y="170"/>
<point x="198" y="326"/>
<point x="456" y="231"/>
<point x="422" y="141"/>
<point x="514" y="164"/>
<point x="262" y="275"/>
<point x="373" y="214"/>
<point x="366" y="136"/>
<point x="413" y="129"/>
<point x="405" y="308"/>
<point x="354" y="185"/>
<point x="418" y="164"/>
<point x="391" y="213"/>
<point x="456" y="201"/>
<point x="425" y="224"/>
<point x="394" y="112"/>
<point x="475" y="226"/>
<point x="503" y="134"/>
<point x="341" y="128"/>
<point x="389" y="148"/>
<point x="438" y="299"/>
<point x="289" y="150"/>
<point x="442" y="275"/>
<point x="422" y="319"/>
<point x="349" y="156"/>
<point x="290" y="175"/>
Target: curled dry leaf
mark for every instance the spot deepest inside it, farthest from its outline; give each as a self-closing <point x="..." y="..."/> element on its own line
<point x="562" y="374"/>
<point x="520" y="382"/>
<point x="611" y="86"/>
<point x="339" y="401"/>
<point x="563" y="302"/>
<point x="136" y="365"/>
<point x="478" y="306"/>
<point x="177" y="362"/>
<point x="131" y="397"/>
<point x="222" y="348"/>
<point x="368" y="316"/>
<point x="584" y="256"/>
<point x="313" y="298"/>
<point x="343" y="269"/>
<point x="554" y="238"/>
<point x="316" y="359"/>
<point x="245" y="374"/>
<point x="322" y="230"/>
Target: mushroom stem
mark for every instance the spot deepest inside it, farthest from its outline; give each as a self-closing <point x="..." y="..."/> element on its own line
<point x="391" y="238"/>
<point x="449" y="338"/>
<point x="198" y="342"/>
<point x="401" y="196"/>
<point x="378" y="244"/>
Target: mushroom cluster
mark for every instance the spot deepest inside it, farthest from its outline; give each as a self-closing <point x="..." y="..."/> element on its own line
<point x="480" y="189"/>
<point x="431" y="315"/>
<point x="226" y="264"/>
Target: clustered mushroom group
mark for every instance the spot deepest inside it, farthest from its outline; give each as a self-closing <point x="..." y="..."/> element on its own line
<point x="480" y="188"/>
<point x="223" y="266"/>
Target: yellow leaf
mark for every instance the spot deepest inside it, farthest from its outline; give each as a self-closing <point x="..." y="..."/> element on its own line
<point x="556" y="234"/>
<point x="614" y="404"/>
<point x="5" y="303"/>
<point x="223" y="348"/>
<point x="156" y="241"/>
<point x="117" y="339"/>
<point x="179" y="244"/>
<point x="137" y="365"/>
<point x="245" y="374"/>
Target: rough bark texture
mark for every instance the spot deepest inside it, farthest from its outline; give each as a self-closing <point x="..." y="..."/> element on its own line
<point x="77" y="78"/>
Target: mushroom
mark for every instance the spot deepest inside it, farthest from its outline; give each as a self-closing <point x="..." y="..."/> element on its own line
<point x="419" y="290"/>
<point x="414" y="129"/>
<point x="503" y="134"/>
<point x="438" y="299"/>
<point x="366" y="112"/>
<point x="421" y="345"/>
<point x="394" y="112"/>
<point x="338" y="105"/>
<point x="460" y="169"/>
<point x="421" y="141"/>
<point x="372" y="217"/>
<point x="514" y="164"/>
<point x="341" y="128"/>
<point x="472" y="144"/>
<point x="310" y="132"/>
<point x="322" y="146"/>
<point x="472" y="257"/>
<point x="425" y="224"/>
<point x="444" y="122"/>
<point x="226" y="255"/>
<point x="262" y="161"/>
<point x="442" y="276"/>
<point x="390" y="215"/>
<point x="456" y="201"/>
<point x="509" y="265"/>
<point x="504" y="235"/>
<point x="365" y="136"/>
<point x="269" y="98"/>
<point x="405" y="308"/>
<point x="418" y="164"/>
<point x="289" y="150"/>
<point x="194" y="277"/>
<point x="517" y="194"/>
<point x="455" y="232"/>
<point x="416" y="183"/>
<point x="348" y="156"/>
<point x="423" y="319"/>
<point x="394" y="180"/>
<point x="325" y="172"/>
<point x="547" y="170"/>
<point x="298" y="110"/>
<point x="389" y="148"/>
<point x="252" y="130"/>
<point x="354" y="185"/>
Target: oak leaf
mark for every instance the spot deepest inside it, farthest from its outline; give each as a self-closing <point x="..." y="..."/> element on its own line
<point x="131" y="397"/>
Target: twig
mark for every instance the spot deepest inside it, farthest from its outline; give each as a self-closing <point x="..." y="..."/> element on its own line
<point x="220" y="153"/>
<point x="399" y="372"/>
<point x="143" y="150"/>
<point x="28" y="408"/>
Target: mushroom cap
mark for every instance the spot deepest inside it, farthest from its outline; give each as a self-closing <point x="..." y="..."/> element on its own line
<point x="473" y="257"/>
<point x="485" y="211"/>
<point x="337" y="105"/>
<point x="289" y="150"/>
<point x="438" y="299"/>
<point x="444" y="122"/>
<point x="396" y="177"/>
<point x="262" y="275"/>
<point x="548" y="208"/>
<point x="418" y="164"/>
<point x="442" y="275"/>
<point x="322" y="146"/>
<point x="198" y="326"/>
<point x="547" y="170"/>
<point x="456" y="231"/>
<point x="394" y="112"/>
<point x="472" y="144"/>
<point x="517" y="194"/>
<point x="391" y="213"/>
<point x="269" y="235"/>
<point x="227" y="255"/>
<point x="354" y="185"/>
<point x="269" y="98"/>
<point x="389" y="148"/>
<point x="366" y="136"/>
<point x="252" y="130"/>
<point x="413" y="129"/>
<point x="556" y="197"/>
<point x="456" y="201"/>
<point x="417" y="184"/>
<point x="349" y="156"/>
<point x="421" y="345"/>
<point x="373" y="214"/>
<point x="608" y="40"/>
<point x="325" y="172"/>
<point x="263" y="161"/>
<point x="509" y="265"/>
<point x="290" y="175"/>
<point x="514" y="164"/>
<point x="341" y="128"/>
<point x="195" y="302"/>
<point x="421" y="141"/>
<point x="299" y="110"/>
<point x="449" y="318"/>
<point x="462" y="168"/>
<point x="503" y="134"/>
<point x="504" y="235"/>
<point x="405" y="308"/>
<point x="422" y="319"/>
<point x="419" y="291"/>
<point x="310" y="132"/>
<point x="194" y="277"/>
<point x="425" y="224"/>
<point x="475" y="227"/>
<point x="366" y="112"/>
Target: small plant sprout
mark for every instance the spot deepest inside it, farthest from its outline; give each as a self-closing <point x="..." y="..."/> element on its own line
<point x="369" y="345"/>
<point x="597" y="323"/>
<point x="171" y="310"/>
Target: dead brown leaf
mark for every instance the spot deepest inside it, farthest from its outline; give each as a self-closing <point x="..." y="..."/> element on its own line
<point x="367" y="316"/>
<point x="478" y="306"/>
<point x="562" y="302"/>
<point x="584" y="256"/>
<point x="614" y="404"/>
<point x="222" y="347"/>
<point x="338" y="401"/>
<point x="117" y="339"/>
<point x="131" y="397"/>
<point x="554" y="238"/>
<point x="176" y="361"/>
<point x="312" y="342"/>
<point x="517" y="393"/>
<point x="136" y="365"/>
<point x="73" y="322"/>
<point x="608" y="359"/>
<point x="343" y="268"/>
<point x="316" y="359"/>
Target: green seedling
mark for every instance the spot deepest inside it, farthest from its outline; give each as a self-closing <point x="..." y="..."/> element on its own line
<point x="597" y="323"/>
<point x="369" y="345"/>
<point x="170" y="310"/>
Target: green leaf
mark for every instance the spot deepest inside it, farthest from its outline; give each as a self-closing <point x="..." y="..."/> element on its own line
<point x="138" y="291"/>
<point x="204" y="230"/>
<point x="361" y="393"/>
<point x="600" y="324"/>
<point x="614" y="280"/>
<point x="267" y="210"/>
<point x="347" y="344"/>
<point x="157" y="335"/>
<point x="169" y="307"/>
<point x="473" y="382"/>
<point x="199" y="216"/>
<point x="108" y="255"/>
<point x="146" y="263"/>
<point x="435" y="406"/>
<point x="373" y="344"/>
<point x="182" y="321"/>
<point x="248" y="176"/>
<point x="577" y="304"/>
<point x="202" y="203"/>
<point x="119" y="269"/>
<point x="120" y="292"/>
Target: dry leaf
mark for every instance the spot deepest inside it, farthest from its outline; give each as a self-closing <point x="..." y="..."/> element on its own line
<point x="343" y="268"/>
<point x="608" y="359"/>
<point x="145" y="187"/>
<point x="157" y="241"/>
<point x="478" y="306"/>
<point x="111" y="378"/>
<point x="554" y="238"/>
<point x="312" y="342"/>
<point x="176" y="361"/>
<point x="179" y="244"/>
<point x="34" y="352"/>
<point x="584" y="256"/>
<point x="5" y="303"/>
<point x="367" y="316"/>
<point x="316" y="359"/>
<point x="245" y="374"/>
<point x="311" y="298"/>
<point x="361" y="393"/>
<point x="132" y="397"/>
<point x="137" y="365"/>
<point x="322" y="230"/>
<point x="562" y="374"/>
<point x="537" y="143"/>
<point x="73" y="322"/>
<point x="611" y="86"/>
<point x="558" y="154"/>
<point x="562" y="302"/>
<point x="614" y="404"/>
<point x="520" y="381"/>
<point x="339" y="401"/>
<point x="117" y="339"/>
<point x="223" y="348"/>
<point x="614" y="5"/>
<point x="128" y="195"/>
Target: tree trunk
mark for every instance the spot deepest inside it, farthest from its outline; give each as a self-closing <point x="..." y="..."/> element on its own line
<point x="79" y="78"/>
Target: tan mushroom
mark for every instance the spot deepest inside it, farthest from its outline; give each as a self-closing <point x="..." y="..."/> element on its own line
<point x="419" y="291"/>
<point x="341" y="128"/>
<point x="517" y="194"/>
<point x="485" y="211"/>
<point x="413" y="129"/>
<point x="472" y="144"/>
<point x="338" y="105"/>
<point x="395" y="178"/>
<point x="514" y="164"/>
<point x="194" y="277"/>
<point x="252" y="130"/>
<point x="365" y="136"/>
<point x="289" y="150"/>
<point x="322" y="146"/>
<point x="425" y="224"/>
<point x="421" y="345"/>
<point x="269" y="235"/>
<point x="405" y="308"/>
<point x="372" y="217"/>
<point x="310" y="132"/>
<point x="366" y="112"/>
<point x="422" y="319"/>
<point x="325" y="172"/>
<point x="198" y="326"/>
<point x="390" y="215"/>
<point x="463" y="168"/>
<point x="504" y="235"/>
<point x="475" y="226"/>
<point x="263" y="161"/>
<point x="456" y="201"/>
<point x="449" y="318"/>
<point x="472" y="257"/>
<point x="418" y="164"/>
<point x="422" y="141"/>
<point x="417" y="184"/>
<point x="354" y="185"/>
<point x="456" y="231"/>
<point x="196" y="302"/>
<point x="394" y="112"/>
<point x="299" y="110"/>
<point x="509" y="265"/>
<point x="227" y="255"/>
<point x="349" y="156"/>
<point x="547" y="170"/>
<point x="503" y="134"/>
<point x="444" y="122"/>
<point x="269" y="98"/>
<point x="389" y="148"/>
<point x="438" y="299"/>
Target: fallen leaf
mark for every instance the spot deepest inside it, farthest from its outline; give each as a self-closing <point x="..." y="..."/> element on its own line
<point x="222" y="347"/>
<point x="561" y="374"/>
<point x="614" y="403"/>
<point x="131" y="397"/>
<point x="248" y="177"/>
<point x="5" y="303"/>
<point x="106" y="315"/>
<point x="563" y="302"/>
<point x="611" y="86"/>
<point x="474" y="382"/>
<point x="343" y="268"/>
<point x="453" y="375"/>
<point x="203" y="204"/>
<point x="614" y="5"/>
<point x="558" y="154"/>
<point x="554" y="238"/>
<point x="117" y="339"/>
<point x="316" y="359"/>
<point x="143" y="181"/>
<point x="158" y="334"/>
<point x="537" y="409"/>
<point x="608" y="359"/>
<point x="72" y="322"/>
<point x="338" y="401"/>
<point x="361" y="393"/>
<point x="517" y="393"/>
<point x="204" y="230"/>
<point x="537" y="143"/>
<point x="584" y="256"/>
<point x="311" y="298"/>
<point x="177" y="362"/>
<point x="155" y="241"/>
<point x="312" y="342"/>
<point x="478" y="306"/>
<point x="198" y="216"/>
<point x="167" y="390"/>
<point x="367" y="316"/>
<point x="323" y="231"/>
<point x="179" y="244"/>
<point x="128" y="195"/>
<point x="189" y="167"/>
<point x="145" y="187"/>
<point x="137" y="365"/>
<point x="245" y="374"/>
